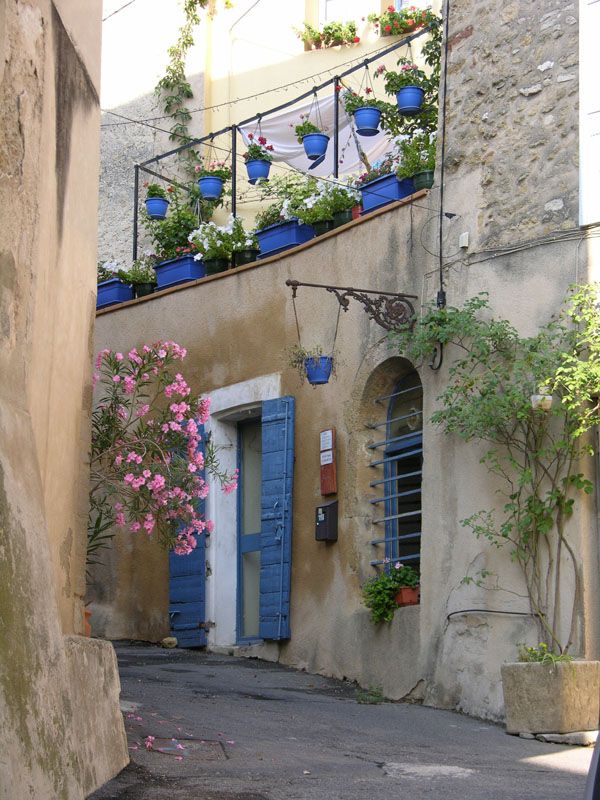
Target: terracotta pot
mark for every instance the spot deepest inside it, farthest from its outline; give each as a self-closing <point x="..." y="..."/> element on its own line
<point x="408" y="596"/>
<point x="87" y="628"/>
<point x="356" y="212"/>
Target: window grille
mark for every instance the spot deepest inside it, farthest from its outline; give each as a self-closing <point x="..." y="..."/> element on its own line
<point x="397" y="461"/>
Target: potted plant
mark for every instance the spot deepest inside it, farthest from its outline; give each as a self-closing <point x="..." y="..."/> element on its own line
<point x="366" y="111"/>
<point x="417" y="160"/>
<point x="317" y="209"/>
<point x="312" y="138"/>
<point x="244" y="244"/>
<point x="278" y="227"/>
<point x="397" y="586"/>
<point x="311" y="364"/>
<point x="156" y="201"/>
<point x="214" y="246"/>
<point x="170" y="237"/>
<point x="540" y="674"/>
<point x="333" y="34"/>
<point x="344" y="199"/>
<point x="258" y="159"/>
<point x="399" y="22"/>
<point x="141" y="275"/>
<point x="380" y="185"/>
<point x="408" y="84"/>
<point x="111" y="289"/>
<point x="211" y="179"/>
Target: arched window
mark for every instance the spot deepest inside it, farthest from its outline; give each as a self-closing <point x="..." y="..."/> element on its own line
<point x="398" y="504"/>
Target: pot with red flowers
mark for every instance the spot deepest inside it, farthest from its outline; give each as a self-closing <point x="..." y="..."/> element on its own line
<point x="258" y="159"/>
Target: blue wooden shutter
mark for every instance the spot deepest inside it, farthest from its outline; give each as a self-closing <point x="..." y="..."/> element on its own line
<point x="187" y="587"/>
<point x="276" y="517"/>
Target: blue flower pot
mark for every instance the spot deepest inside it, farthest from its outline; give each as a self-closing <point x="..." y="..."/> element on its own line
<point x="113" y="291"/>
<point x="211" y="187"/>
<point x="179" y="270"/>
<point x="410" y="99"/>
<point x="318" y="369"/>
<point x="258" y="170"/>
<point x="315" y="145"/>
<point x="157" y="207"/>
<point x="367" y="120"/>
<point x="384" y="190"/>
<point x="283" y="235"/>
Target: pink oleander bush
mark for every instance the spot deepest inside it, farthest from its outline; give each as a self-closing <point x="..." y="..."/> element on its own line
<point x="148" y="471"/>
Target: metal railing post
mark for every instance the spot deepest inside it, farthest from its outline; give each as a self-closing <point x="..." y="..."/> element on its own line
<point x="136" y="193"/>
<point x="336" y="127"/>
<point x="233" y="168"/>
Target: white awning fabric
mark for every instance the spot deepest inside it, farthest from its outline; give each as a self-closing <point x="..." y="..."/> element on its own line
<point x="279" y="131"/>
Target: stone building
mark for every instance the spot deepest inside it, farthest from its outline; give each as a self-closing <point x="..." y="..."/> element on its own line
<point x="59" y="691"/>
<point x="511" y="182"/>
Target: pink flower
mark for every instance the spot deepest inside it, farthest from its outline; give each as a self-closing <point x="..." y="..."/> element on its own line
<point x="120" y="518"/>
<point x="149" y="742"/>
<point x="204" y="410"/>
<point x="142" y="410"/>
<point x="117" y="378"/>
<point x="134" y="528"/>
<point x="119" y="356"/>
<point x="129" y="384"/>
<point x="118" y="460"/>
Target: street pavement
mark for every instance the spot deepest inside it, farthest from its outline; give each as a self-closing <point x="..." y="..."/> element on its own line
<point x="230" y="728"/>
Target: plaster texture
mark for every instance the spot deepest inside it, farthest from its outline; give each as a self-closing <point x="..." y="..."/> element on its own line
<point x="58" y="743"/>
<point x="551" y="698"/>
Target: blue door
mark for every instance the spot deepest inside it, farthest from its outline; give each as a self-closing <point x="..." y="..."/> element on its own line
<point x="276" y="517"/>
<point x="187" y="589"/>
<point x="249" y="528"/>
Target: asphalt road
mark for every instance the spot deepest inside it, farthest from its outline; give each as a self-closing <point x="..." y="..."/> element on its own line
<point x="236" y="729"/>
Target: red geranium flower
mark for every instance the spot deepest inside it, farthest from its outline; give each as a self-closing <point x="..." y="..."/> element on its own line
<point x="410" y="22"/>
<point x="262" y="140"/>
<point x="338" y="88"/>
<point x="396" y="24"/>
<point x="251" y="136"/>
<point x="368" y="90"/>
<point x="356" y="39"/>
<point x="391" y="9"/>
<point x="387" y="28"/>
<point x="170" y="189"/>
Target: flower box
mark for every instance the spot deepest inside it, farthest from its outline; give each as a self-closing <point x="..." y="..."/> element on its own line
<point x="179" y="270"/>
<point x="113" y="291"/>
<point x="282" y="236"/>
<point x="408" y="596"/>
<point x="384" y="190"/>
<point x="551" y="698"/>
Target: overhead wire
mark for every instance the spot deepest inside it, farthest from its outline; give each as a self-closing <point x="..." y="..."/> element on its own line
<point x="229" y="103"/>
<point x="112" y="14"/>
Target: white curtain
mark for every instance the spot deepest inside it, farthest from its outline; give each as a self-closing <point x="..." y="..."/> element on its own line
<point x="279" y="131"/>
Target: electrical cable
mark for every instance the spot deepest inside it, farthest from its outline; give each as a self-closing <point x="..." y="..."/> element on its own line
<point x="441" y="296"/>
<point x="489" y="611"/>
<point x="117" y="10"/>
<point x="230" y="103"/>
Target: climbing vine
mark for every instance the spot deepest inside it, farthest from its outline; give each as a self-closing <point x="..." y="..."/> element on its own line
<point x="536" y="452"/>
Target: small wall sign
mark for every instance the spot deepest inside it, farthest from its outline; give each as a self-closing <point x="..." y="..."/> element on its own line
<point x="327" y="462"/>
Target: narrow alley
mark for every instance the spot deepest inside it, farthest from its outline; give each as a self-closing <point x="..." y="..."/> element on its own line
<point x="229" y="728"/>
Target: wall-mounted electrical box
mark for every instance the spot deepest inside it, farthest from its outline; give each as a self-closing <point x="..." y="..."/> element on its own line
<point x="326" y="523"/>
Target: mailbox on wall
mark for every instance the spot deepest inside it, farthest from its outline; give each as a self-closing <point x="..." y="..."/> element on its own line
<point x="326" y="523"/>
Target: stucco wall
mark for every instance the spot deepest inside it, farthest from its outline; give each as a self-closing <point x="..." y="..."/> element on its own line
<point x="61" y="740"/>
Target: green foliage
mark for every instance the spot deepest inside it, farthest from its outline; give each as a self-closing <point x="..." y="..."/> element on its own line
<point x="379" y="593"/>
<point x="386" y="166"/>
<point x="269" y="216"/>
<point x="427" y="119"/>
<point x="170" y="235"/>
<point x="174" y="87"/>
<point x="535" y="454"/>
<point x="332" y="34"/>
<point x="541" y="655"/>
<point x="417" y="155"/>
<point x="154" y="190"/>
<point x="371" y="696"/>
<point x="304" y="128"/>
<point x="141" y="271"/>
<point x="353" y="100"/>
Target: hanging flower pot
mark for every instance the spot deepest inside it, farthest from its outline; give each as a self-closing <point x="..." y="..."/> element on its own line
<point x="408" y="595"/>
<point x="410" y="100"/>
<point x="315" y="145"/>
<point x="318" y="369"/>
<point x="258" y="170"/>
<point x="211" y="187"/>
<point x="367" y="120"/>
<point x="156" y="207"/>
